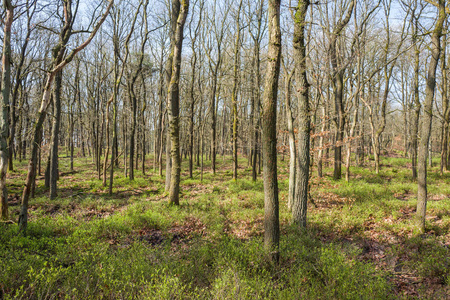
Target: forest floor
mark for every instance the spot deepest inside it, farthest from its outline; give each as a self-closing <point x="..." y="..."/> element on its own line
<point x="360" y="242"/>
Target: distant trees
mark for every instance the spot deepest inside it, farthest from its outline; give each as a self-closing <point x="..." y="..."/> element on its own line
<point x="354" y="90"/>
<point x="60" y="61"/>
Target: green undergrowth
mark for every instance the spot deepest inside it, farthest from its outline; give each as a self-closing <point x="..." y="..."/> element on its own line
<point x="359" y="244"/>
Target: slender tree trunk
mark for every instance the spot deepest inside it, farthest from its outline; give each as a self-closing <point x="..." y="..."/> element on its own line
<point x="234" y="92"/>
<point x="55" y="136"/>
<point x="299" y="206"/>
<point x="269" y="139"/>
<point x="4" y="124"/>
<point x="417" y="104"/>
<point x="173" y="102"/>
<point x="427" y="118"/>
<point x="291" y="133"/>
<point x="338" y="87"/>
<point x="445" y="108"/>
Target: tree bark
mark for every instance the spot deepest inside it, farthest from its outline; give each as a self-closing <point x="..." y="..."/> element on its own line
<point x="173" y="102"/>
<point x="234" y="92"/>
<point x="299" y="206"/>
<point x="4" y="123"/>
<point x="269" y="140"/>
<point x="291" y="133"/>
<point x="427" y="118"/>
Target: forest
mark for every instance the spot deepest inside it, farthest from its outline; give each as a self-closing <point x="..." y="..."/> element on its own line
<point x="225" y="149"/>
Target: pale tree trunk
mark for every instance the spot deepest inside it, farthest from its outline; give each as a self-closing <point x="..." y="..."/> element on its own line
<point x="173" y="101"/>
<point x="321" y="145"/>
<point x="299" y="206"/>
<point x="269" y="137"/>
<point x="290" y="128"/>
<point x="427" y="118"/>
<point x="4" y="124"/>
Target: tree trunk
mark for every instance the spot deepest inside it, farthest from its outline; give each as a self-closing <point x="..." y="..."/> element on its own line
<point x="269" y="140"/>
<point x="290" y="128"/>
<point x="299" y="207"/>
<point x="427" y="118"/>
<point x="4" y="124"/>
<point x="234" y="92"/>
<point x="55" y="136"/>
<point x="173" y="101"/>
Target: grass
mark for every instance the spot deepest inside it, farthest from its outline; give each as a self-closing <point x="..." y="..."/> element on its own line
<point x="360" y="243"/>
